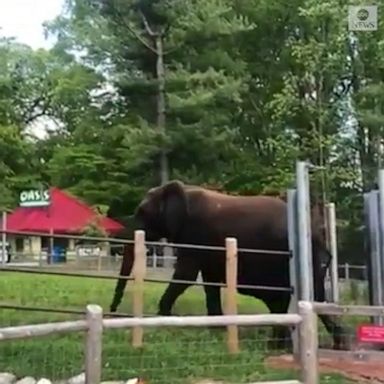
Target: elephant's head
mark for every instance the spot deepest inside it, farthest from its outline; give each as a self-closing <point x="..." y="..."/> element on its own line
<point x="162" y="211"/>
<point x="160" y="214"/>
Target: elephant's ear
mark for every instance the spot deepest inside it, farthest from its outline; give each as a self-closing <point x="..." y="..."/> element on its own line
<point x="174" y="207"/>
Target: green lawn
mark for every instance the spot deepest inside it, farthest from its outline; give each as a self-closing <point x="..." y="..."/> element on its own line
<point x="169" y="355"/>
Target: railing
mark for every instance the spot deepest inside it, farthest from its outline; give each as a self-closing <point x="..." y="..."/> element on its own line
<point x="94" y="324"/>
<point x="354" y="353"/>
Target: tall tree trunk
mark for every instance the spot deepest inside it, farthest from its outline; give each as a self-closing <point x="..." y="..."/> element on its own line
<point x="160" y="73"/>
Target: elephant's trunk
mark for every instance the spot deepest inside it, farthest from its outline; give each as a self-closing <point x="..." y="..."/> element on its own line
<point x="125" y="270"/>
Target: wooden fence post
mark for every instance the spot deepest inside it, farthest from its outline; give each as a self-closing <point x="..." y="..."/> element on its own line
<point x="308" y="343"/>
<point x="231" y="291"/>
<point x="139" y="270"/>
<point x="93" y="352"/>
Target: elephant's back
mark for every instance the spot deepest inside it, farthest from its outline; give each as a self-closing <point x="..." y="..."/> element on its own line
<point x="255" y="221"/>
<point x="265" y="215"/>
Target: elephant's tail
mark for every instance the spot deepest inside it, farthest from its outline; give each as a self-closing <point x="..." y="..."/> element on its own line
<point x="325" y="262"/>
<point x="125" y="271"/>
<point x="329" y="257"/>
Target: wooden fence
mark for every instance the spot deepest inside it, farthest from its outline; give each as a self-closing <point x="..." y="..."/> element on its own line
<point x="139" y="273"/>
<point x="94" y="324"/>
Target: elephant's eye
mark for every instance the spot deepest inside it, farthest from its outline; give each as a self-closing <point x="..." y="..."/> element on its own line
<point x="143" y="211"/>
<point x="140" y="211"/>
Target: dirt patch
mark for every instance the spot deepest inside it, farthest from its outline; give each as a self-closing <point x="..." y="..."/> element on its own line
<point x="370" y="372"/>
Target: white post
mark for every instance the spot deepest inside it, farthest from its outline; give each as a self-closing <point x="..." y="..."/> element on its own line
<point x="332" y="235"/>
<point x="93" y="352"/>
<point x="346" y="266"/>
<point x="304" y="229"/>
<point x="3" y="237"/>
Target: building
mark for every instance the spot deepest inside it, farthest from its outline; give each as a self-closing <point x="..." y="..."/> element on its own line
<point x="52" y="211"/>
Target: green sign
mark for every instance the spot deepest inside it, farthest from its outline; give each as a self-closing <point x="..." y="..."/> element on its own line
<point x="35" y="198"/>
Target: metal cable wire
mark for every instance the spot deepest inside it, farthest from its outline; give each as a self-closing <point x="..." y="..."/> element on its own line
<point x="63" y="311"/>
<point x="69" y="274"/>
<point x="151" y="243"/>
<point x="149" y="280"/>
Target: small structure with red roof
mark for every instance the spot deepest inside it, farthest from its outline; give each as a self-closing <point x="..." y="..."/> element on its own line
<point x="53" y="211"/>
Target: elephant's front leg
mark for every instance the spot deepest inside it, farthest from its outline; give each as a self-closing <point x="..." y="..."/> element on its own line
<point x="185" y="269"/>
<point x="212" y="295"/>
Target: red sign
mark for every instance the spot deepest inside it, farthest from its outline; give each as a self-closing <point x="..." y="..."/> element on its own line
<point x="370" y="333"/>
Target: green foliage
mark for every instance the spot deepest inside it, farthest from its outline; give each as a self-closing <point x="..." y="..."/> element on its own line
<point x="94" y="228"/>
<point x="16" y="165"/>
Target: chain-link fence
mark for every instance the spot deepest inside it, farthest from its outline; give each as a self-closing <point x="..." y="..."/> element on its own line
<point x="179" y="351"/>
<point x="168" y="355"/>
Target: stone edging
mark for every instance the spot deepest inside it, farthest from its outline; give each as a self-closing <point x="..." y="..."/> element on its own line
<point x="9" y="378"/>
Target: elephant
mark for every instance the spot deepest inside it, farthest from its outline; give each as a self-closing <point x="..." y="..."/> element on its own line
<point x="190" y="214"/>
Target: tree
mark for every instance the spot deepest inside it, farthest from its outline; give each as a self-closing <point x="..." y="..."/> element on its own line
<point x="153" y="58"/>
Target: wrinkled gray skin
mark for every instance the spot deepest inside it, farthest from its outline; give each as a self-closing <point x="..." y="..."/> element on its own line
<point x="194" y="215"/>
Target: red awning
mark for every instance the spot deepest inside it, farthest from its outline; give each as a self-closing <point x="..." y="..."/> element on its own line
<point x="65" y="214"/>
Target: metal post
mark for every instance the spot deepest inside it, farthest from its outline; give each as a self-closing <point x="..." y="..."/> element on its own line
<point x="3" y="237"/>
<point x="304" y="230"/>
<point x="293" y="264"/>
<point x="372" y="224"/>
<point x="332" y="236"/>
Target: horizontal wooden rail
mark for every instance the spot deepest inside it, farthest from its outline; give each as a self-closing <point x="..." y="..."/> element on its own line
<point x="204" y="321"/>
<point x="36" y="330"/>
<point x="349" y="310"/>
<point x="357" y="355"/>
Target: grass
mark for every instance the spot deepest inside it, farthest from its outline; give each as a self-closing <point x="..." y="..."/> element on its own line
<point x="168" y="356"/>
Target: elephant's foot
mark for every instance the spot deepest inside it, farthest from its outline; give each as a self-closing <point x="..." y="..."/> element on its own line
<point x="342" y="340"/>
<point x="215" y="312"/>
<point x="342" y="343"/>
